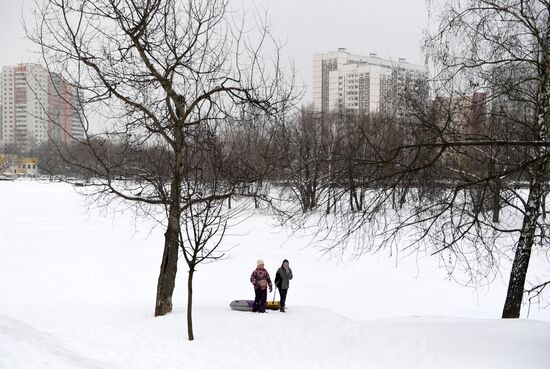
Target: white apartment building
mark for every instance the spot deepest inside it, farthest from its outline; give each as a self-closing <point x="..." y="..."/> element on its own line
<point x="23" y="99"/>
<point x="344" y="81"/>
<point x="32" y="109"/>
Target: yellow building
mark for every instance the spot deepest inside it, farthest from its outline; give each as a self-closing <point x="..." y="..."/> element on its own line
<point x="12" y="164"/>
<point x="27" y="166"/>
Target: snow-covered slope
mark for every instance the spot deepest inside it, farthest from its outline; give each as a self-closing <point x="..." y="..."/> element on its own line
<point x="77" y="290"/>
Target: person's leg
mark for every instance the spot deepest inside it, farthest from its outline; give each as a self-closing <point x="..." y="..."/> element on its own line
<point x="263" y="300"/>
<point x="283" y="298"/>
<point x="257" y="298"/>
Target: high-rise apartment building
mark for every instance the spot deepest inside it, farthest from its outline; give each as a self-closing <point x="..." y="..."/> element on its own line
<point x="36" y="106"/>
<point x="344" y="81"/>
<point x="64" y="120"/>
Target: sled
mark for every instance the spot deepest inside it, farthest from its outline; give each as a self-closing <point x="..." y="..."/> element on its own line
<point x="273" y="305"/>
<point x="246" y="305"/>
<point x="241" y="305"/>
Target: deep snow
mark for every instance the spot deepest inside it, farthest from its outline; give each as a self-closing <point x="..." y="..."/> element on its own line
<point x="77" y="290"/>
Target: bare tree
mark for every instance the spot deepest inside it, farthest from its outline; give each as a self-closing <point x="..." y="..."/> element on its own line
<point x="306" y="141"/>
<point x="7" y="163"/>
<point x="504" y="47"/>
<point x="154" y="71"/>
<point x="478" y="149"/>
<point x="205" y="219"/>
<point x="203" y="230"/>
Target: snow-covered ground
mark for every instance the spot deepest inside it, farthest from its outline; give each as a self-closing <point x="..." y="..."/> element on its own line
<point x="77" y="290"/>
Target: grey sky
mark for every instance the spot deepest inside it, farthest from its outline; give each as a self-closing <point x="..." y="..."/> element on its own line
<point x="391" y="28"/>
<point x="15" y="48"/>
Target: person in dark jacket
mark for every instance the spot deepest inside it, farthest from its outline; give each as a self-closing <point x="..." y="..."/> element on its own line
<point x="282" y="278"/>
<point x="261" y="281"/>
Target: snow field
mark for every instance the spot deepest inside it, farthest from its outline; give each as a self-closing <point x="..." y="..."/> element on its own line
<point x="77" y="290"/>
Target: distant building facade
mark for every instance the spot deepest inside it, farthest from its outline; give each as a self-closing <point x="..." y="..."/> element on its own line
<point x="12" y="164"/>
<point x="344" y="81"/>
<point x="36" y="107"/>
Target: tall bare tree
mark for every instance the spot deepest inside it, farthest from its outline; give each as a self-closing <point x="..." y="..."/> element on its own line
<point x="478" y="149"/>
<point x="155" y="70"/>
<point x="503" y="47"/>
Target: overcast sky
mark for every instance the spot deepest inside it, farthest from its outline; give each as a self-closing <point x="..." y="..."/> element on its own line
<point x="391" y="28"/>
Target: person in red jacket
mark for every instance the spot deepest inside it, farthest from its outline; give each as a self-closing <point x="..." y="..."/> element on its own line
<point x="261" y="281"/>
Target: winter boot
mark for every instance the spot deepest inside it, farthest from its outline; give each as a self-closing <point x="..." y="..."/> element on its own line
<point x="282" y="309"/>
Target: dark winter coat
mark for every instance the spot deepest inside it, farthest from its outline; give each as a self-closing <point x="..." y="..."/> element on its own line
<point x="282" y="278"/>
<point x="260" y="278"/>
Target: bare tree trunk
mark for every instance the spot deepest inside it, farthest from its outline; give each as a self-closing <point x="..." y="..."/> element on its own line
<point x="328" y="201"/>
<point x="544" y="196"/>
<point x="313" y="194"/>
<point x="334" y="201"/>
<point x="516" y="285"/>
<point x="169" y="267"/>
<point x="308" y="197"/>
<point x="352" y="198"/>
<point x="190" y="304"/>
<point x="403" y="199"/>
<point x="496" y="201"/>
